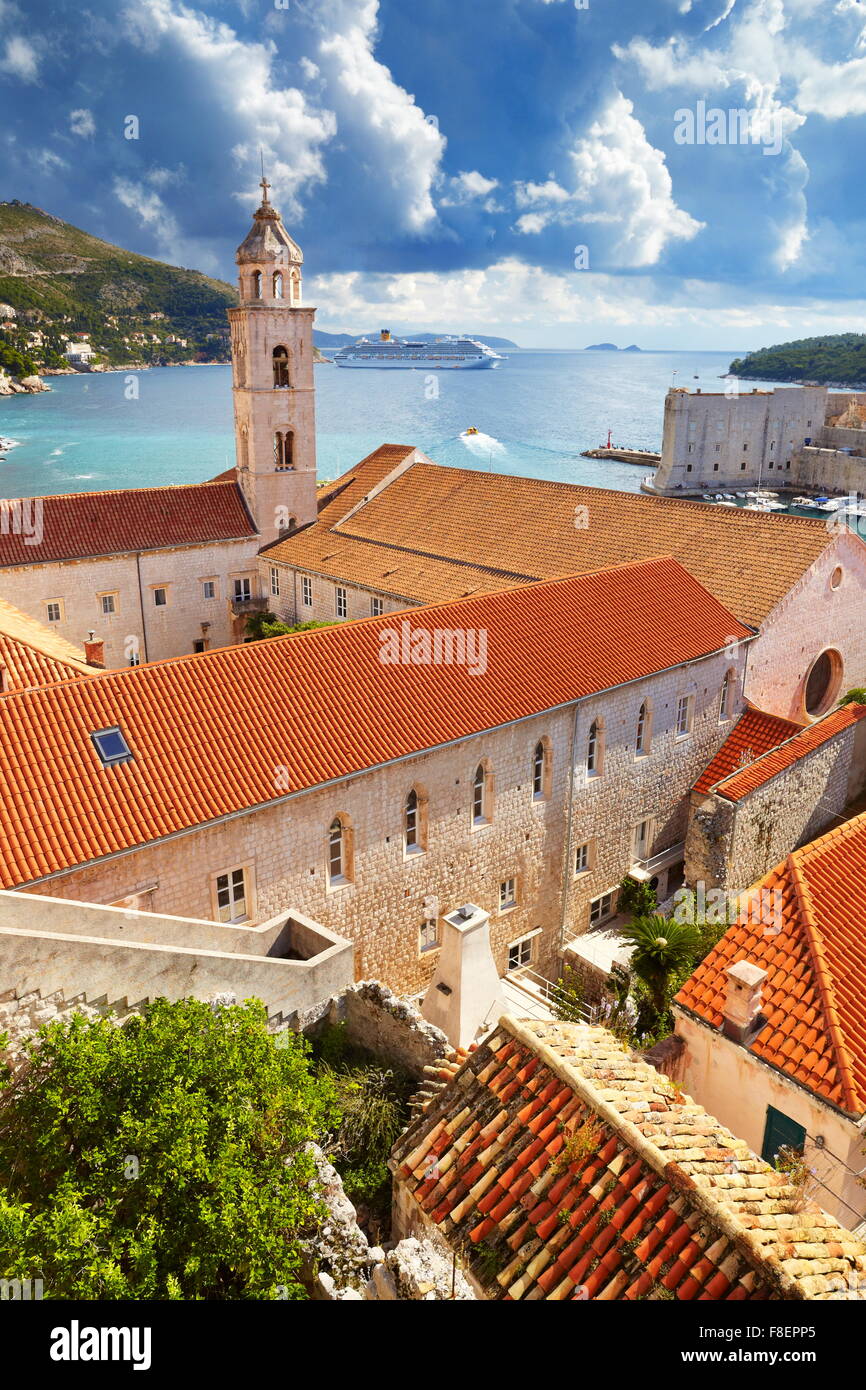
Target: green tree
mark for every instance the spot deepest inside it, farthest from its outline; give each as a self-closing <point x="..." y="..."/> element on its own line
<point x="857" y="696"/>
<point x="261" y="625"/>
<point x="661" y="948"/>
<point x="164" y="1158"/>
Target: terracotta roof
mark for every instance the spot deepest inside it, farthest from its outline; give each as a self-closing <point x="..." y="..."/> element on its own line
<point x="561" y="1167"/>
<point x="339" y="497"/>
<point x="805" y="741"/>
<point x="530" y="528"/>
<point x="814" y="997"/>
<point x="754" y="733"/>
<point x="76" y="525"/>
<point x="31" y="654"/>
<point x="209" y="732"/>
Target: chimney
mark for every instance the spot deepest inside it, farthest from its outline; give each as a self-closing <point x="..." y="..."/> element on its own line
<point x="94" y="650"/>
<point x="465" y="992"/>
<point x="742" y="1019"/>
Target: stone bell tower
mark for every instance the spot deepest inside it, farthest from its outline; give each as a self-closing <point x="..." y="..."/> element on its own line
<point x="272" y="379"/>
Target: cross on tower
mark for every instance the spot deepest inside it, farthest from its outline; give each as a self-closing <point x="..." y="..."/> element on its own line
<point x="264" y="187"/>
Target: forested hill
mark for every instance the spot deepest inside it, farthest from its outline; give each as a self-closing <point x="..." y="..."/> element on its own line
<point x="836" y="360"/>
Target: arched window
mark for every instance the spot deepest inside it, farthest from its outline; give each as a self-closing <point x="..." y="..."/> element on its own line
<point x="481" y="796"/>
<point x="642" y="740"/>
<point x="284" y="450"/>
<point x="415" y="821"/>
<point x="281" y="366"/>
<point x="726" y="697"/>
<point x="412" y="820"/>
<point x="278" y="284"/>
<point x="594" y="749"/>
<point x="257" y="284"/>
<point x="339" y="852"/>
<point x="538" y="771"/>
<point x="296" y="287"/>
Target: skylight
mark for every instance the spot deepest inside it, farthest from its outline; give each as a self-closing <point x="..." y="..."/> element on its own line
<point x="111" y="746"/>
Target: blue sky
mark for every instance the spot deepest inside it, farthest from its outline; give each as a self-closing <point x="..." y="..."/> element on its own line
<point x="440" y="161"/>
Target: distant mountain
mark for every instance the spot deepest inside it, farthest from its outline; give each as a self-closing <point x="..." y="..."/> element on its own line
<point x="611" y="347"/>
<point x="632" y="347"/>
<point x="839" y="359"/>
<point x="338" y="340"/>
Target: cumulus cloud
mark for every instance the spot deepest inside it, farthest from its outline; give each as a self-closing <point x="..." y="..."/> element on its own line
<point x="81" y="122"/>
<point x="153" y="214"/>
<point x="468" y="187"/>
<point x="19" y="59"/>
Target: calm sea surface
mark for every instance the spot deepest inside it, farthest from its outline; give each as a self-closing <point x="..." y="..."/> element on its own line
<point x="535" y="412"/>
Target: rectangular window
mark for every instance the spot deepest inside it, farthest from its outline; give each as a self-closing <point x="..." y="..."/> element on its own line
<point x="507" y="894"/>
<point x="641" y="837"/>
<point x="601" y="908"/>
<point x="275" y="582"/>
<point x="342" y="602"/>
<point x="307" y="592"/>
<point x="111" y="746"/>
<point x="688" y="468"/>
<point x="53" y="611"/>
<point x="200" y="644"/>
<point x="376" y="607"/>
<point x="208" y="588"/>
<point x="581" y="859"/>
<point x="109" y="604"/>
<point x="134" y="659"/>
<point x="519" y="953"/>
<point x="428" y="936"/>
<point x="685" y="706"/>
<point x="160" y="597"/>
<point x="231" y="896"/>
<point x="243" y="590"/>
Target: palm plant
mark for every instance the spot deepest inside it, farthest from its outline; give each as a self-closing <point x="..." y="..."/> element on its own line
<point x="661" y="948"/>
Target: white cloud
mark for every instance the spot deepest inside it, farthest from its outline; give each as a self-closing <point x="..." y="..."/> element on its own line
<point x="19" y="59"/>
<point x="81" y="122"/>
<point x="152" y="213"/>
<point x="469" y="187"/>
<point x="530" y="194"/>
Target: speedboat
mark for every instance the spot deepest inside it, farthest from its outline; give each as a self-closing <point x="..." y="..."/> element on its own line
<point x="832" y="504"/>
<point x="471" y="430"/>
<point x="803" y="502"/>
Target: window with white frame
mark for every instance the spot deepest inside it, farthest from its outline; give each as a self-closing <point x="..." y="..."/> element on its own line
<point x="540" y="763"/>
<point x="208" y="588"/>
<point x="594" y="749"/>
<point x="685" y="707"/>
<point x="507" y="894"/>
<point x="581" y="859"/>
<point x="641" y="838"/>
<point x="726" y="697"/>
<point x="480" y="796"/>
<point x="339" y="852"/>
<point x="108" y="603"/>
<point x="54" y="610"/>
<point x="275" y="582"/>
<point x="377" y="607"/>
<point x="642" y="739"/>
<point x="231" y="896"/>
<point x="428" y="935"/>
<point x="520" y="953"/>
<point x="415" y="823"/>
<point x="160" y="598"/>
<point x="307" y="592"/>
<point x="342" y="602"/>
<point x="601" y="908"/>
<point x="242" y="589"/>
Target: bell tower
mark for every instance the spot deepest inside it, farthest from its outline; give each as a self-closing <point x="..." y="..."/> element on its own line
<point x="272" y="379"/>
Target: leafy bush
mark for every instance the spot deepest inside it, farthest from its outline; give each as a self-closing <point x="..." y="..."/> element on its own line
<point x="835" y="357"/>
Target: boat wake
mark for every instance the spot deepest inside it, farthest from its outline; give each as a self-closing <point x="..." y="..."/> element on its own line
<point x="482" y="444"/>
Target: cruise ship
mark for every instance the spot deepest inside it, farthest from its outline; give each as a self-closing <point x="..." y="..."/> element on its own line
<point x="445" y="354"/>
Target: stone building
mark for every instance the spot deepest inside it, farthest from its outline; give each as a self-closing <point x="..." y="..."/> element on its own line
<point x="771" y="1027"/>
<point x="158" y="572"/>
<point x="374" y="776"/>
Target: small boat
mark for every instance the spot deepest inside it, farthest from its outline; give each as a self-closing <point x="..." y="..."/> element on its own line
<point x="471" y="430"/>
<point x="726" y="496"/>
<point x="832" y="504"/>
<point x="774" y="506"/>
<point x="728" y="504"/>
<point x="803" y="502"/>
<point x="756" y="507"/>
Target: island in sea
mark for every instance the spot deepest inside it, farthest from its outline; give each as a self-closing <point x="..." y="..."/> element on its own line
<point x="611" y="347"/>
<point x="836" y="359"/>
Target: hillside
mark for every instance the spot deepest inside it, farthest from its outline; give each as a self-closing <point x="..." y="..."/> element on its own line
<point x="836" y="360"/>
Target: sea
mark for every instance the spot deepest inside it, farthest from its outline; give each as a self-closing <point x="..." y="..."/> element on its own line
<point x="534" y="413"/>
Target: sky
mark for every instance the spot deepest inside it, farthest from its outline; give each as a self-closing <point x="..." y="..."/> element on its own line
<point x="558" y="172"/>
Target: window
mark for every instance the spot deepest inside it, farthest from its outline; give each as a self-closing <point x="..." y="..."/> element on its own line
<point x="718" y="448"/>
<point x="594" y="749"/>
<point x="688" y="468"/>
<point x="685" y="706"/>
<point x="243" y="590"/>
<point x="428" y="936"/>
<point x="581" y="859"/>
<point x="641" y="839"/>
<point x="54" y="611"/>
<point x="134" y="659"/>
<point x="823" y="683"/>
<point x="275" y="582"/>
<point x="726" y="696"/>
<point x="691" y="448"/>
<point x="411" y="823"/>
<point x="278" y="284"/>
<point x="342" y="602"/>
<point x="377" y="607"/>
<point x="200" y="645"/>
<point x="743" y="466"/>
<point x="600" y="908"/>
<point x="257" y="284"/>
<point x="111" y="746"/>
<point x="231" y="896"/>
<point x="520" y="953"/>
<point x="507" y="894"/>
<point x="642" y="739"/>
<point x="340" y="867"/>
<point x="480" y="797"/>
<point x="208" y="588"/>
<point x="108" y="603"/>
<point x="280" y="360"/>
<point x="160" y="597"/>
<point x="541" y="770"/>
<point x="307" y="592"/>
<point x="715" y="468"/>
<point x="781" y="1132"/>
<point x="284" y="450"/>
<point x="836" y="577"/>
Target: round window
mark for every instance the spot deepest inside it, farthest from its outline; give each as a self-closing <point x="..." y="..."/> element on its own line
<point x="822" y="683"/>
<point x="836" y="577"/>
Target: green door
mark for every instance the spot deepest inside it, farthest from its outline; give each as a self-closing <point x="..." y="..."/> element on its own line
<point x="781" y="1131"/>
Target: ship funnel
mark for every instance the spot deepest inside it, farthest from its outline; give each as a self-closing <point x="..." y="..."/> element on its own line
<point x="385" y="335"/>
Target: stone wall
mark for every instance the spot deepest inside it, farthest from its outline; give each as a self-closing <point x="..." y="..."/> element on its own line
<point x="389" y="1027"/>
<point x="825" y="468"/>
<point x="289" y="607"/>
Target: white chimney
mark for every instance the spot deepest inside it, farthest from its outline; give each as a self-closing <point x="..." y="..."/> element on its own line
<point x="741" y="1015"/>
<point x="465" y="991"/>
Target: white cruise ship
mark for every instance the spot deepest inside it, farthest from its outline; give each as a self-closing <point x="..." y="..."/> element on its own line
<point x="445" y="354"/>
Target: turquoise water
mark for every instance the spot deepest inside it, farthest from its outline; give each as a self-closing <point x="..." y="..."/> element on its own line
<point x="535" y="412"/>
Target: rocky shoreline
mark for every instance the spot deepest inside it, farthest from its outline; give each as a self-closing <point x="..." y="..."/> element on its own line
<point x="27" y="385"/>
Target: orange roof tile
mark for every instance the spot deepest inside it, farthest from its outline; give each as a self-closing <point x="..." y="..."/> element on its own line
<point x="532" y="528"/>
<point x="805" y="741"/>
<point x="31" y="654"/>
<point x="209" y="733"/>
<point x="560" y="1167"/>
<point x="754" y="733"/>
<point x="814" y="996"/>
<point x="76" y="525"/>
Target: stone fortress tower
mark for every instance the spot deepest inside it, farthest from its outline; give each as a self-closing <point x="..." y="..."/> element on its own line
<point x="272" y="379"/>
